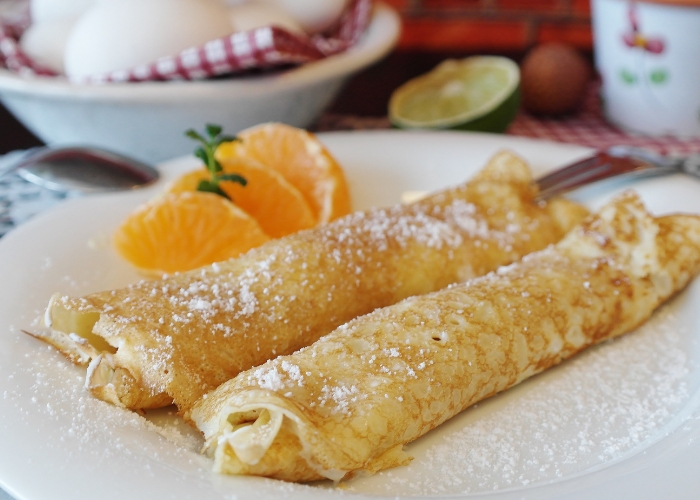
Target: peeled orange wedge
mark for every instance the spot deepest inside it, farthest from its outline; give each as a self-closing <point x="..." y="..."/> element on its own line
<point x="185" y="230"/>
<point x="301" y="159"/>
<point x="291" y="183"/>
<point x="279" y="207"/>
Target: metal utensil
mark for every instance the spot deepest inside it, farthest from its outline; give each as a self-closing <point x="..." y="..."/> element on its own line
<point x="613" y="162"/>
<point x="84" y="169"/>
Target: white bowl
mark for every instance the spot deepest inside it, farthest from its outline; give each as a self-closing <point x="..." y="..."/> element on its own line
<point x="147" y="120"/>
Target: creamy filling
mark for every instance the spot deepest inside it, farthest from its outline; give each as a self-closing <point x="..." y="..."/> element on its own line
<point x="251" y="440"/>
<point x="250" y="435"/>
<point x="75" y="323"/>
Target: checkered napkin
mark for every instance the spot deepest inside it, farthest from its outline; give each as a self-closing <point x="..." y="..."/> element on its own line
<point x="589" y="128"/>
<point x="20" y="200"/>
<point x="259" y="48"/>
<point x="13" y="21"/>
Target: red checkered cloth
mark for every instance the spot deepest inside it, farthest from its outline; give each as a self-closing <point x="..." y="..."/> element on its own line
<point x="12" y="25"/>
<point x="260" y="48"/>
<point x="588" y="127"/>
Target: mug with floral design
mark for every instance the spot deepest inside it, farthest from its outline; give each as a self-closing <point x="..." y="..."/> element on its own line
<point x="648" y="55"/>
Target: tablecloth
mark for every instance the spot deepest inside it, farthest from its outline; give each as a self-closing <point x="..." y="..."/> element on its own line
<point x="587" y="127"/>
<point x="20" y="200"/>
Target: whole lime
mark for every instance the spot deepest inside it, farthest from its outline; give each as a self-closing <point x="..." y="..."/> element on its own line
<point x="554" y="77"/>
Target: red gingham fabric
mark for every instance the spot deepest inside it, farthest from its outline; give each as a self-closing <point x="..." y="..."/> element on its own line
<point x="255" y="49"/>
<point x="11" y="56"/>
<point x="588" y="127"/>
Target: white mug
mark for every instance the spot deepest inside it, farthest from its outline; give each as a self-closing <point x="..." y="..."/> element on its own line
<point x="648" y="55"/>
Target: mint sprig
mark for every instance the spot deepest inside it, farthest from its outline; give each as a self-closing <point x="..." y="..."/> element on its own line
<point x="205" y="152"/>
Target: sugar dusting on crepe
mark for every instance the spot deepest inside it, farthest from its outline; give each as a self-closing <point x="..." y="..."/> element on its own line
<point x="609" y="403"/>
<point x="603" y="406"/>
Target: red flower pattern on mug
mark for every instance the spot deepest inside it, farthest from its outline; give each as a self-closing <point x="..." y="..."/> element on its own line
<point x="635" y="39"/>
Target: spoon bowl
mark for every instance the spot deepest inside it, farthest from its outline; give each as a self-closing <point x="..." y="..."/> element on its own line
<point x="83" y="169"/>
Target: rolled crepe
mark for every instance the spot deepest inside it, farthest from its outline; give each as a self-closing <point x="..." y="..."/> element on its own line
<point x="349" y="403"/>
<point x="175" y="339"/>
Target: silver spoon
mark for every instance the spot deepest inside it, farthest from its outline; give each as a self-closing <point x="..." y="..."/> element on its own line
<point x="90" y="170"/>
<point x="83" y="169"/>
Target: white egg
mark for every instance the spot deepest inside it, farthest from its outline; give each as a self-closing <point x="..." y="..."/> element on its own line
<point x="45" y="42"/>
<point x="51" y="10"/>
<point x="121" y="34"/>
<point x="249" y="16"/>
<point x="314" y="16"/>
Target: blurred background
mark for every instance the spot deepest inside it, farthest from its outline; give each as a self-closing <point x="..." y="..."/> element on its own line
<point x="433" y="30"/>
<point x="437" y="29"/>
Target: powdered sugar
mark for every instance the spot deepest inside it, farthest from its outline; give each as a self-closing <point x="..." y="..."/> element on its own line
<point x="268" y="376"/>
<point x="341" y="396"/>
<point x="384" y="226"/>
<point x="599" y="407"/>
<point x="82" y="425"/>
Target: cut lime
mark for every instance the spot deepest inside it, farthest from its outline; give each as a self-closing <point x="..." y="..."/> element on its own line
<point x="478" y="93"/>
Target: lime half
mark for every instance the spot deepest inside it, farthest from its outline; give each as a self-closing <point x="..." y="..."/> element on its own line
<point x="478" y="93"/>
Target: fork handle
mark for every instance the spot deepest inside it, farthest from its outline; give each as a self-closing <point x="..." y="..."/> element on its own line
<point x="613" y="162"/>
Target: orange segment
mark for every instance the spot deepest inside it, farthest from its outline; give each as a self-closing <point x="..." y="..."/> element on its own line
<point x="188" y="181"/>
<point x="301" y="159"/>
<point x="183" y="231"/>
<point x="279" y="207"/>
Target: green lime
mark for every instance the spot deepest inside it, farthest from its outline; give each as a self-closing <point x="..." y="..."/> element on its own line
<point x="478" y="93"/>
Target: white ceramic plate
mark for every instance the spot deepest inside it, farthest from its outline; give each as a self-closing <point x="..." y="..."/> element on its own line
<point x="621" y="420"/>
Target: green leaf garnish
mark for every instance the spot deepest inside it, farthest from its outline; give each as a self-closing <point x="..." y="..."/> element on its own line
<point x="233" y="178"/>
<point x="211" y="187"/>
<point x="205" y="152"/>
<point x="213" y="130"/>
